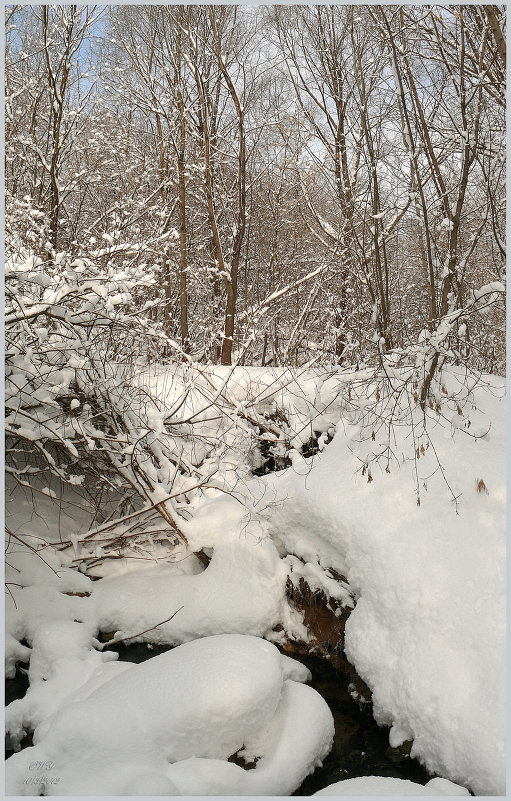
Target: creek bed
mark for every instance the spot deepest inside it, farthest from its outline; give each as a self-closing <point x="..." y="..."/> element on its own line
<point x="361" y="748"/>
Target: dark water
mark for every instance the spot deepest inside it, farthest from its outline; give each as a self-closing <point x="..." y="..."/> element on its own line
<point x="361" y="748"/>
<point x="16" y="688"/>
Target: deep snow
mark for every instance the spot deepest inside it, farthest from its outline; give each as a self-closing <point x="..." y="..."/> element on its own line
<point x="427" y="632"/>
<point x="176" y="718"/>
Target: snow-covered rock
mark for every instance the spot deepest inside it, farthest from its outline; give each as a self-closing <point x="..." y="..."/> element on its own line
<point x="177" y="718"/>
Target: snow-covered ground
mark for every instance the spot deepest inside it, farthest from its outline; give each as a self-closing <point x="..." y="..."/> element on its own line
<point x="413" y="517"/>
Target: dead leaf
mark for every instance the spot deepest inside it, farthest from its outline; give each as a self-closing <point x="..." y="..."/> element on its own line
<point x="481" y="486"/>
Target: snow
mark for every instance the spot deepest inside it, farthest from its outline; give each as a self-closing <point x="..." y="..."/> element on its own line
<point x="245" y="565"/>
<point x="14" y="653"/>
<point x="62" y="660"/>
<point x="381" y="785"/>
<point x="447" y="224"/>
<point x="428" y="630"/>
<point x="426" y="584"/>
<point x="178" y="717"/>
<point x="299" y="722"/>
<point x="489" y="289"/>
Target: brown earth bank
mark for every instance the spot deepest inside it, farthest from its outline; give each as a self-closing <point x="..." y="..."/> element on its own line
<point x="325" y="620"/>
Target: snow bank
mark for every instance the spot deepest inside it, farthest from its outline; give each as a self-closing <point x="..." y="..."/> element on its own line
<point x="382" y="785"/>
<point x="177" y="718"/>
<point x="428" y="630"/>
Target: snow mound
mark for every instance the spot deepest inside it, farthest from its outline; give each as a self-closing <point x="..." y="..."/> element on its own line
<point x="241" y="591"/>
<point x="177" y="718"/>
<point x="63" y="658"/>
<point x="287" y="749"/>
<point x="382" y="785"/>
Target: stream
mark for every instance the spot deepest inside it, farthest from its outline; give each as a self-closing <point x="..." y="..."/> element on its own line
<point x="361" y="747"/>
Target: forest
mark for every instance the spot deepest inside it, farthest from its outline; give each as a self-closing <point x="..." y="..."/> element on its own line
<point x="255" y="346"/>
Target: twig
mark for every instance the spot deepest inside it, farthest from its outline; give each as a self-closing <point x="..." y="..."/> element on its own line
<point x="27" y="545"/>
<point x="132" y="636"/>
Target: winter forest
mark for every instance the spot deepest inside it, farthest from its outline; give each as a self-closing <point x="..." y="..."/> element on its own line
<point x="255" y="337"/>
